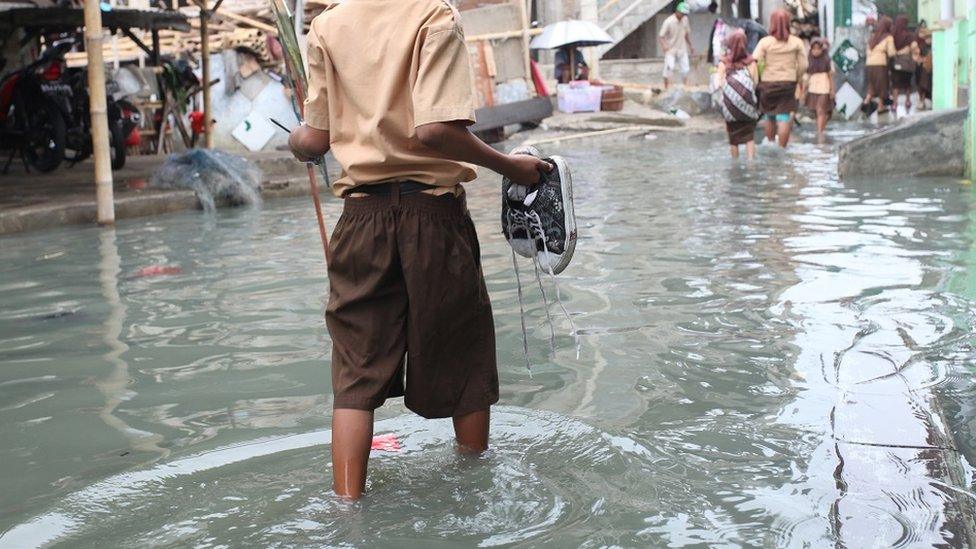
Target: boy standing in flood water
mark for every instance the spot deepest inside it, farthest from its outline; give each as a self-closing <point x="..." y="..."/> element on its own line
<point x="390" y="93"/>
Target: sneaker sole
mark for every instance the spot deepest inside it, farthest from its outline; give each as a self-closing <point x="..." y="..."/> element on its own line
<point x="557" y="263"/>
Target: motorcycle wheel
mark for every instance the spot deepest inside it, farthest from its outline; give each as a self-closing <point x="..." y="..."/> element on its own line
<point x="44" y="134"/>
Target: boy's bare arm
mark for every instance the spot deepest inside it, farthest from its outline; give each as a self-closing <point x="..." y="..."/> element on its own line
<point x="308" y="143"/>
<point x="455" y="142"/>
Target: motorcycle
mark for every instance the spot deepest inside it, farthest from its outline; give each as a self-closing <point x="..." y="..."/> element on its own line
<point x="30" y="121"/>
<point x="70" y="92"/>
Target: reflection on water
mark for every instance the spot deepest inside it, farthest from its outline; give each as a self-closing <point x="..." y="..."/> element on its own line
<point x="769" y="357"/>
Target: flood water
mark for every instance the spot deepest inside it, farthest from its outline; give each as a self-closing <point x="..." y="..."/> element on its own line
<point x="769" y="357"/>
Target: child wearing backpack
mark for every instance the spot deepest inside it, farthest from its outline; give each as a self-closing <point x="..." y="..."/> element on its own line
<point x="737" y="77"/>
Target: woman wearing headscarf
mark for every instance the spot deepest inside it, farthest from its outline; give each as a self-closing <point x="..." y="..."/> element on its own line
<point x="818" y="84"/>
<point x="906" y="58"/>
<point x="785" y="62"/>
<point x="737" y="76"/>
<point x="923" y="70"/>
<point x="881" y="48"/>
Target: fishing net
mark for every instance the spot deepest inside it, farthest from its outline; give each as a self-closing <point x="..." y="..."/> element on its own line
<point x="214" y="176"/>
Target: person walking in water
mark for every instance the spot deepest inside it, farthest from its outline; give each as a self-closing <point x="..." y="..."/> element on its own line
<point x="903" y="64"/>
<point x="923" y="69"/>
<point x="737" y="76"/>
<point x="881" y="47"/>
<point x="818" y="86"/>
<point x="785" y="63"/>
<point x="675" y="42"/>
<point x="405" y="268"/>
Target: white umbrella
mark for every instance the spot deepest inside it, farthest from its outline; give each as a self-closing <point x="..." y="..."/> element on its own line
<point x="571" y="33"/>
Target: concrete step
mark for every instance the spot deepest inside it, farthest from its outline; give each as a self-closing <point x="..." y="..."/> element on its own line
<point x="931" y="144"/>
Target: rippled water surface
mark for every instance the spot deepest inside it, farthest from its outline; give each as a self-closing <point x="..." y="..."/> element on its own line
<point x="769" y="357"/>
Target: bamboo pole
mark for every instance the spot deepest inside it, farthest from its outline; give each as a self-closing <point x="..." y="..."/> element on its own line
<point x="589" y="11"/>
<point x="205" y="55"/>
<point x="597" y="133"/>
<point x="97" y="107"/>
<point x="501" y="35"/>
<point x="527" y="59"/>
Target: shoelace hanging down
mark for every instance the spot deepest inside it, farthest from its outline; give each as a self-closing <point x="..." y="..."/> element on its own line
<point x="530" y="222"/>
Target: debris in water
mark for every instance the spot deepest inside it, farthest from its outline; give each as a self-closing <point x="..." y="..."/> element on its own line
<point x="158" y="270"/>
<point x="136" y="184"/>
<point x="212" y="175"/>
<point x="385" y="443"/>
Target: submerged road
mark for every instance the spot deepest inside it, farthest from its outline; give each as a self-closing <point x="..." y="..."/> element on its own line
<point x="769" y="357"/>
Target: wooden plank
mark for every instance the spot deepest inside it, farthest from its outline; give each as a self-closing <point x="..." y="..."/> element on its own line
<point x="501" y="35"/>
<point x="622" y="129"/>
<point x="73" y="18"/>
<point x="485" y="81"/>
<point x="529" y="110"/>
<point x="248" y="21"/>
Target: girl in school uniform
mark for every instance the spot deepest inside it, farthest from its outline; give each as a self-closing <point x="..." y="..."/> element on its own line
<point x="881" y="48"/>
<point x="819" y="90"/>
<point x="785" y="62"/>
<point x="906" y="58"/>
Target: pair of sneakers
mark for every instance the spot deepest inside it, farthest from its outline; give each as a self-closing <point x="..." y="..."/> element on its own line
<point x="539" y="222"/>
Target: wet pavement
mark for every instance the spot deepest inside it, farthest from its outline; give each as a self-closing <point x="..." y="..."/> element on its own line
<point x="770" y="357"/>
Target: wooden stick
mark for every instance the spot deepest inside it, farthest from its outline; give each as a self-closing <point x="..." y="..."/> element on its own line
<point x="487" y="83"/>
<point x="526" y="58"/>
<point x="501" y="35"/>
<point x="98" y="109"/>
<point x="248" y="21"/>
<point x="205" y="58"/>
<point x="585" y="134"/>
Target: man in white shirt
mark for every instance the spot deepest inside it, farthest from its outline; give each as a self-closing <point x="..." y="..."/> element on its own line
<point x="675" y="42"/>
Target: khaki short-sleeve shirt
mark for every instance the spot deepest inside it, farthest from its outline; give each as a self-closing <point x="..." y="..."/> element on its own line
<point x="377" y="69"/>
<point x="786" y="60"/>
<point x="674" y="33"/>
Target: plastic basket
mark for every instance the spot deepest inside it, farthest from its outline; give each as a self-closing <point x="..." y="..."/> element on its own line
<point x="576" y="98"/>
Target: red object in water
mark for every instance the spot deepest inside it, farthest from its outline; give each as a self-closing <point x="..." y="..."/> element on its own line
<point x="136" y="184"/>
<point x="385" y="443"/>
<point x="196" y="122"/>
<point x="539" y="81"/>
<point x="158" y="270"/>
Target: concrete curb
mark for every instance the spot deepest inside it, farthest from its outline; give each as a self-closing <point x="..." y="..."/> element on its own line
<point x="142" y="204"/>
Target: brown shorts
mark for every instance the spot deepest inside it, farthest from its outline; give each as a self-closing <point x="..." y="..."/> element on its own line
<point x="878" y="81"/>
<point x="820" y="103"/>
<point x="406" y="282"/>
<point x="777" y="97"/>
<point x="901" y="81"/>
<point x="740" y="133"/>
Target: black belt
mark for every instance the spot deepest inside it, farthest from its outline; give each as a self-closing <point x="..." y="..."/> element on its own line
<point x="404" y="187"/>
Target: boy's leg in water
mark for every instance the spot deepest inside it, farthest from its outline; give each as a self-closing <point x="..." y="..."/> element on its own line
<point x="783" y="130"/>
<point x="734" y="149"/>
<point x="352" y="436"/>
<point x="471" y="431"/>
<point x="751" y="150"/>
<point x="770" y="128"/>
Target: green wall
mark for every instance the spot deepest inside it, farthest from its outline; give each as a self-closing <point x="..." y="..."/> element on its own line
<point x="971" y="125"/>
<point x="945" y="70"/>
<point x="931" y="10"/>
